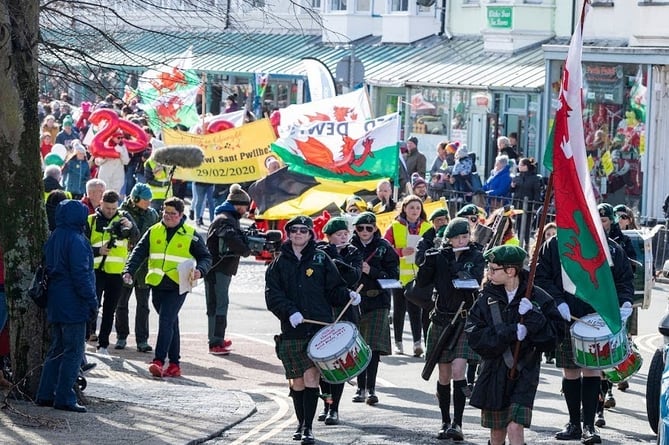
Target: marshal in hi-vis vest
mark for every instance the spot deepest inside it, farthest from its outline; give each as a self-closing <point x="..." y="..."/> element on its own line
<point x="117" y="255"/>
<point x="164" y="257"/>
<point x="400" y="235"/>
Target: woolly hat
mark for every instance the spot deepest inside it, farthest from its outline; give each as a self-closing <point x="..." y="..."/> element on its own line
<point x="78" y="146"/>
<point x="237" y="196"/>
<point x="356" y="201"/>
<point x="468" y="210"/>
<point x="300" y="221"/>
<point x="417" y="180"/>
<point x="605" y="211"/>
<point x="461" y="152"/>
<point x="413" y="139"/>
<point x="452" y="147"/>
<point x="505" y="255"/>
<point x="437" y="213"/>
<point x="335" y="225"/>
<point x="365" y="218"/>
<point x="141" y="191"/>
<point x="457" y="226"/>
<point x="67" y="121"/>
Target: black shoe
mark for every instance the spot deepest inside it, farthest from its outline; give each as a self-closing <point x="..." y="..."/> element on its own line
<point x="308" y="437"/>
<point x="144" y="347"/>
<point x="332" y="418"/>
<point x="76" y="408"/>
<point x="200" y="222"/>
<point x="455" y="432"/>
<point x="88" y="366"/>
<point x="323" y="414"/>
<point x="359" y="396"/>
<point x="42" y="402"/>
<point x="442" y="435"/>
<point x="372" y="399"/>
<point x="191" y="215"/>
<point x="570" y="432"/>
<point x="600" y="422"/>
<point x="297" y="435"/>
<point x="590" y="435"/>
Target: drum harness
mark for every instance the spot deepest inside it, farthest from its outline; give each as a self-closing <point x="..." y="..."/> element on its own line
<point x="497" y="321"/>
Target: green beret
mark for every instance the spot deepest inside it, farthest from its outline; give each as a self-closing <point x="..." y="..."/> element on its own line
<point x="505" y="255"/>
<point x="468" y="210"/>
<point x="620" y="208"/>
<point x="605" y="211"/>
<point x="365" y="218"/>
<point x="335" y="225"/>
<point x="457" y="226"/>
<point x="300" y="221"/>
<point x="438" y="213"/>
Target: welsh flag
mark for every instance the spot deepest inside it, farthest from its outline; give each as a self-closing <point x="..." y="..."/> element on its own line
<point x="584" y="253"/>
<point x="343" y="151"/>
<point x="168" y="93"/>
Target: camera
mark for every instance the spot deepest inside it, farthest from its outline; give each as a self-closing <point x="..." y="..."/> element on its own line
<point x="117" y="230"/>
<point x="259" y="242"/>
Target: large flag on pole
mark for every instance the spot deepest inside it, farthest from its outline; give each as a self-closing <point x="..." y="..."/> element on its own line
<point x="584" y="253"/>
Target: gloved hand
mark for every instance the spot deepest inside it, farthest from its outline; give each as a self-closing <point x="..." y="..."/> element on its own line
<point x="525" y="306"/>
<point x="296" y="319"/>
<point x="625" y="311"/>
<point x="521" y="332"/>
<point x="564" y="311"/>
<point x="355" y="298"/>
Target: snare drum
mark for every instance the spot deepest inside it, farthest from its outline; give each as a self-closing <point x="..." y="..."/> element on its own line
<point x="594" y="346"/>
<point x="627" y="368"/>
<point x="339" y="351"/>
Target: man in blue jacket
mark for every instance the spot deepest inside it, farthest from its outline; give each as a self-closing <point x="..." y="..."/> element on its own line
<point x="71" y="303"/>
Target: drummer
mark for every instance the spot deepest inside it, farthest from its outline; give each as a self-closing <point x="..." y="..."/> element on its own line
<point x="580" y="386"/>
<point x="348" y="260"/>
<point x="303" y="283"/>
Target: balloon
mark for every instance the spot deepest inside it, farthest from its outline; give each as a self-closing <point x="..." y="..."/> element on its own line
<point x="102" y="147"/>
<point x="60" y="150"/>
<point x="53" y="159"/>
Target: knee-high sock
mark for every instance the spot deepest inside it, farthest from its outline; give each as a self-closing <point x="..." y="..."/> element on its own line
<point x="444" y="397"/>
<point x="471" y="371"/>
<point x="604" y="388"/>
<point x="326" y="388"/>
<point x="298" y="404"/>
<point x="572" y="395"/>
<point x="459" y="400"/>
<point x="310" y="404"/>
<point x="589" y="397"/>
<point x="337" y="391"/>
<point x="372" y="369"/>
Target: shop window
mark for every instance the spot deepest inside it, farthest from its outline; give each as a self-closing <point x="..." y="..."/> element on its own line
<point x="399" y="5"/>
<point x="337" y="5"/>
<point x="516" y="103"/>
<point x="313" y="4"/>
<point x="362" y="5"/>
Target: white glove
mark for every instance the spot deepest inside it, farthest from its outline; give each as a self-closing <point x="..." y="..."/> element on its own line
<point x="626" y="311"/>
<point x="521" y="332"/>
<point x="564" y="311"/>
<point x="296" y="319"/>
<point x="355" y="298"/>
<point x="525" y="306"/>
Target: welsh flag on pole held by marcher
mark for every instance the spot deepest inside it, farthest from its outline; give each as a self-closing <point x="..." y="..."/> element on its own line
<point x="343" y="151"/>
<point x="168" y="93"/>
<point x="582" y="242"/>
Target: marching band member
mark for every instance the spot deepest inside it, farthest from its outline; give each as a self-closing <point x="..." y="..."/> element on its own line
<point x="447" y="269"/>
<point x="379" y="262"/>
<point x="580" y="386"/>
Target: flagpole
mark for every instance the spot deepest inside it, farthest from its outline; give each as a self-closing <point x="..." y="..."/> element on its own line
<point x="204" y="103"/>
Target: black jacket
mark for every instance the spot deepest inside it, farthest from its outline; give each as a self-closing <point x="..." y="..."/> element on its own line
<point x="225" y="235"/>
<point x="383" y="264"/>
<point x="349" y="265"/>
<point x="527" y="185"/>
<point x="310" y="285"/>
<point x="425" y="243"/>
<point x="494" y="390"/>
<point x="440" y="269"/>
<point x="617" y="235"/>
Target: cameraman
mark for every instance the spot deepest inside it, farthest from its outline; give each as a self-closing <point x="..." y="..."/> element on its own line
<point x="226" y="243"/>
<point x="109" y="231"/>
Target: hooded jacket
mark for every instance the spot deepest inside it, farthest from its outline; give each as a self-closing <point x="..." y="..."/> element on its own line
<point x="69" y="264"/>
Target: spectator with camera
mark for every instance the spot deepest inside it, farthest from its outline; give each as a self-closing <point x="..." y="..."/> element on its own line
<point x="109" y="231"/>
<point x="226" y="243"/>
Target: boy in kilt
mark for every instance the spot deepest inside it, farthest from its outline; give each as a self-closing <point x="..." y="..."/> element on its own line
<point x="303" y="282"/>
<point x="379" y="262"/>
<point x="501" y="317"/>
<point x="457" y="259"/>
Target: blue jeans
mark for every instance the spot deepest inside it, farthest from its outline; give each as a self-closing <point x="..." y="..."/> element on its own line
<point x="203" y="194"/>
<point x="216" y="292"/>
<point x="62" y="363"/>
<point x="168" y="304"/>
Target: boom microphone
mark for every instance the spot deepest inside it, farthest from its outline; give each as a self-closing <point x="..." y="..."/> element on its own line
<point x="184" y="156"/>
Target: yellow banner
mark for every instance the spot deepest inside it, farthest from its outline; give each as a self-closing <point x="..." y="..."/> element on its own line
<point x="607" y="163"/>
<point x="234" y="155"/>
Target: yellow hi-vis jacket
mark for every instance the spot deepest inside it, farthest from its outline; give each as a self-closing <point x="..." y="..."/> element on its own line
<point x="164" y="257"/>
<point x="118" y="254"/>
<point x="400" y="235"/>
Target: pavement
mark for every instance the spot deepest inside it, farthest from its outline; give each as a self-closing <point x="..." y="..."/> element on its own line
<point x="126" y="405"/>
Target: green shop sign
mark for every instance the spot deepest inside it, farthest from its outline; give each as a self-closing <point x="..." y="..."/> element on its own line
<point x="500" y="16"/>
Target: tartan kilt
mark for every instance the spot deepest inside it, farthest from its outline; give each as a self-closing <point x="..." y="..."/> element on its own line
<point x="293" y="355"/>
<point x="461" y="349"/>
<point x="564" y="355"/>
<point x="374" y="327"/>
<point x="500" y="419"/>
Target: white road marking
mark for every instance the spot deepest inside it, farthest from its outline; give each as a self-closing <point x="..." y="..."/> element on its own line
<point x="258" y="429"/>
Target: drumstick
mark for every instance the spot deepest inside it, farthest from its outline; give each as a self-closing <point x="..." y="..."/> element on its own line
<point x="584" y="322"/>
<point x="348" y="304"/>
<point x="307" y="320"/>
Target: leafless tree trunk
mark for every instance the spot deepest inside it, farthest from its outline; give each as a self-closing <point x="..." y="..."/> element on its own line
<point x="23" y="219"/>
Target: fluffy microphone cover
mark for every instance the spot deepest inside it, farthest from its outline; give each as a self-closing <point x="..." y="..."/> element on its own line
<point x="184" y="156"/>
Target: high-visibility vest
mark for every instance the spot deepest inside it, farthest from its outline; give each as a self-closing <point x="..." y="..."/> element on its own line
<point x="67" y="194"/>
<point x="164" y="257"/>
<point x="117" y="255"/>
<point x="157" y="192"/>
<point x="400" y="235"/>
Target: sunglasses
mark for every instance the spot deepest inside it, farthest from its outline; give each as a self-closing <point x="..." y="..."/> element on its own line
<point x="473" y="218"/>
<point x="365" y="228"/>
<point x="302" y="230"/>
